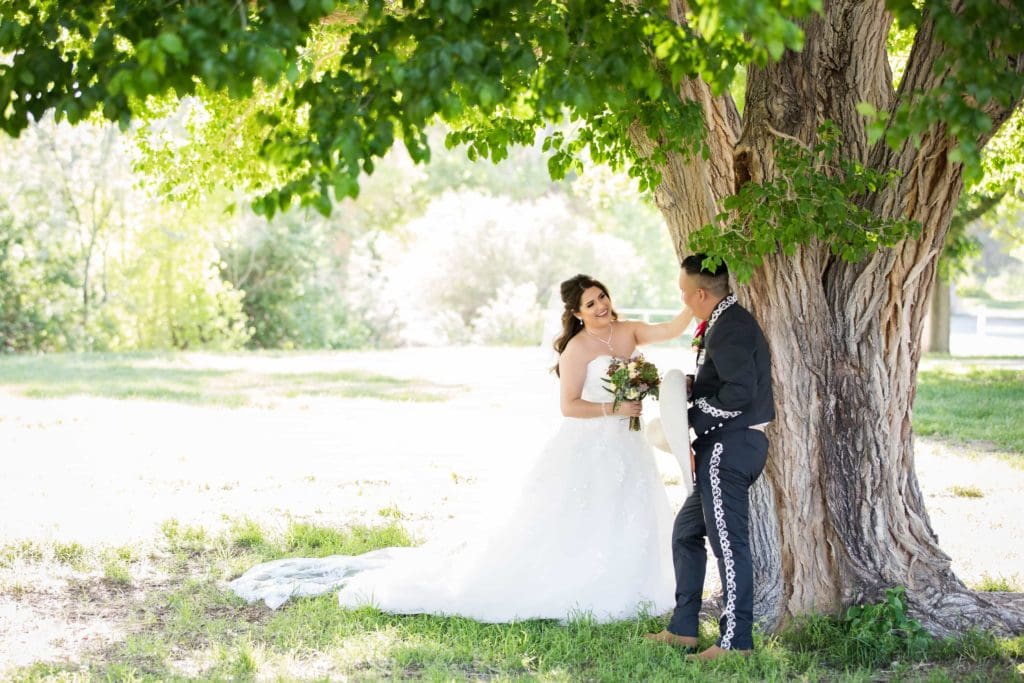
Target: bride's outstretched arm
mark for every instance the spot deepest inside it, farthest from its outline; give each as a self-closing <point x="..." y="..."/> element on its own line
<point x="645" y="333"/>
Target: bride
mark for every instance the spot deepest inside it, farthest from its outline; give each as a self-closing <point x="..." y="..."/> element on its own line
<point x="588" y="534"/>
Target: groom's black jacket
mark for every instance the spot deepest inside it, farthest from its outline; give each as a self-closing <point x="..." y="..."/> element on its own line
<point x="733" y="386"/>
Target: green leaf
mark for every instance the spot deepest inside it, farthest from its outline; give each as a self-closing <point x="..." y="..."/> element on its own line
<point x="709" y="21"/>
<point x="172" y="45"/>
<point x="148" y="81"/>
<point x="867" y="109"/>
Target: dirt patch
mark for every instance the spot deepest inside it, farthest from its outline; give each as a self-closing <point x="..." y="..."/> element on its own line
<point x="49" y="612"/>
<point x="103" y="472"/>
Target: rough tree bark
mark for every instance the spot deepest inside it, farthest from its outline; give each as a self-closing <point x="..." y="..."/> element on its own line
<point x="839" y="516"/>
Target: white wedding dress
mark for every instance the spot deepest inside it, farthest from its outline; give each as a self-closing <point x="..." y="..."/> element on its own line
<point x="588" y="534"/>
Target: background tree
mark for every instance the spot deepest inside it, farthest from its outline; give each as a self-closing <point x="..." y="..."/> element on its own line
<point x="998" y="193"/>
<point x="960" y="246"/>
<point x="74" y="188"/>
<point x="93" y="261"/>
<point x="33" y="288"/>
<point x="830" y="198"/>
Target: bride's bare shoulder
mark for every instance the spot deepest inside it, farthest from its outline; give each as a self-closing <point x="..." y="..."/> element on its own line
<point x="575" y="353"/>
<point x="578" y="349"/>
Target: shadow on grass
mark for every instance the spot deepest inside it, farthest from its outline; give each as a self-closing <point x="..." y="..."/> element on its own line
<point x="134" y="377"/>
<point x="197" y="632"/>
<point x="190" y="628"/>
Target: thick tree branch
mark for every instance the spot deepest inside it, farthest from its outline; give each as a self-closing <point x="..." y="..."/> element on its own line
<point x="692" y="187"/>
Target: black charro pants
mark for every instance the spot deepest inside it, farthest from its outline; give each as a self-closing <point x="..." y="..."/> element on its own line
<point x="718" y="509"/>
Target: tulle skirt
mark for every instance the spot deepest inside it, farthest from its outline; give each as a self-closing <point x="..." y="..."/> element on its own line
<point x="588" y="532"/>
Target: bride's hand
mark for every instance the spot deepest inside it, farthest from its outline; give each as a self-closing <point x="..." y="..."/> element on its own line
<point x="629" y="409"/>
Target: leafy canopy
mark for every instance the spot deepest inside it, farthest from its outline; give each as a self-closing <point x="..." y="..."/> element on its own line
<point x="808" y="199"/>
<point x="321" y="89"/>
<point x="983" y="49"/>
<point x="348" y="78"/>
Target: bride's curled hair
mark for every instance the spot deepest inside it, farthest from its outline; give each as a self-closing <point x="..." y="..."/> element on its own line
<point x="572" y="294"/>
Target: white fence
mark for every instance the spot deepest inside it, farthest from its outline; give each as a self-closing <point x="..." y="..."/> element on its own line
<point x="1001" y="319"/>
<point x="648" y="314"/>
<point x="991" y="332"/>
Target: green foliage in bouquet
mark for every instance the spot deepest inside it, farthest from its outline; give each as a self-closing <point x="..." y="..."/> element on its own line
<point x="632" y="379"/>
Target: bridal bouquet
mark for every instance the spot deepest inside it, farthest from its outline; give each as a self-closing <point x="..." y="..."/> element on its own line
<point x="632" y="380"/>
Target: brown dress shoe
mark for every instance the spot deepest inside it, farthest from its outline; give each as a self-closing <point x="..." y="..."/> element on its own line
<point x="714" y="652"/>
<point x="669" y="638"/>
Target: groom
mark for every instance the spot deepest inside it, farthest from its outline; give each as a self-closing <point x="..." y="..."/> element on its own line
<point x="731" y="405"/>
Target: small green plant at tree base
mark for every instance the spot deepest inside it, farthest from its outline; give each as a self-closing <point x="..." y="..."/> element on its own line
<point x="883" y="631"/>
<point x="870" y="635"/>
<point x="967" y="492"/>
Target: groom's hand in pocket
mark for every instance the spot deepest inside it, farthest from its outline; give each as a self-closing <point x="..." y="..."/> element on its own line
<point x="693" y="465"/>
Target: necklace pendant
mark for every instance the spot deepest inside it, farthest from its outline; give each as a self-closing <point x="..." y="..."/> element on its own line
<point x="607" y="342"/>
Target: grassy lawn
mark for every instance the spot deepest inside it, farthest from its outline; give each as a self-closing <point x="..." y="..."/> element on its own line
<point x="161" y="377"/>
<point x="961" y="401"/>
<point x="172" y="618"/>
<point x="187" y="627"/>
<point x="964" y="402"/>
<point x="994" y="304"/>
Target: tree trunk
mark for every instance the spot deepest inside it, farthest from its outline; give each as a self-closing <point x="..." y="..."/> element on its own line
<point x="840" y="516"/>
<point x="939" y="317"/>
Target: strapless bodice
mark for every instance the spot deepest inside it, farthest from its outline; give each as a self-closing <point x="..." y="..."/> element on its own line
<point x="595" y="388"/>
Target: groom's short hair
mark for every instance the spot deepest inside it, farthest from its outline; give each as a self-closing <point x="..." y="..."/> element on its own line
<point x="716" y="281"/>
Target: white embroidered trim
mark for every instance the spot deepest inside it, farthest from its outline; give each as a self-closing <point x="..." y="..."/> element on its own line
<point x="706" y="407"/>
<point x="729" y="610"/>
<point x="722" y="305"/>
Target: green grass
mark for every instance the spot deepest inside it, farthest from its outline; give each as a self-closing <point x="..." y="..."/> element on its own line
<point x="69" y="553"/>
<point x="994" y="304"/>
<point x="24" y="551"/>
<point x="391" y="512"/>
<point x="165" y="377"/>
<point x="116" y="573"/>
<point x="190" y="628"/>
<point x="975" y="405"/>
<point x="186" y="627"/>
<point x="1000" y="584"/>
<point x="967" y="492"/>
